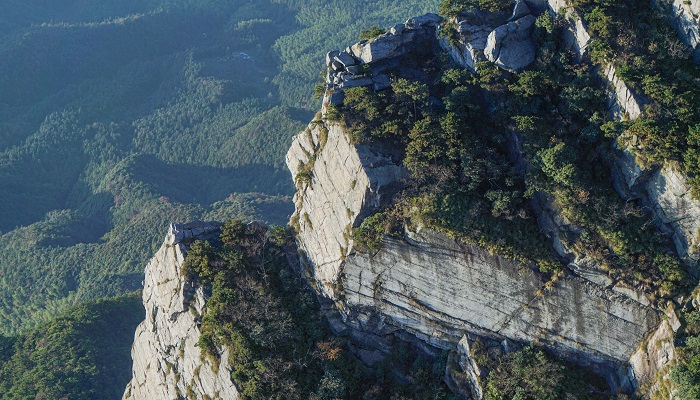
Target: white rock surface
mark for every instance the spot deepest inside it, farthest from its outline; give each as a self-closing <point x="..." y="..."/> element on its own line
<point x="167" y="361"/>
<point x="436" y="288"/>
<point x="576" y="37"/>
<point x="669" y="193"/>
<point x="687" y="18"/>
<point x="439" y="289"/>
<point x="346" y="182"/>
<point x="624" y="102"/>
<point x="652" y="361"/>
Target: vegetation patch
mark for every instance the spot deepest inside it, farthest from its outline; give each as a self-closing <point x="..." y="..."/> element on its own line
<point x="279" y="345"/>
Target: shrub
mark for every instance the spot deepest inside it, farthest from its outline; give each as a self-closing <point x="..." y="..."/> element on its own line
<point x="368" y="236"/>
<point x="371" y="33"/>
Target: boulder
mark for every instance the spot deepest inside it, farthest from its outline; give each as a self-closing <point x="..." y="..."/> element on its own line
<point x="470" y="368"/>
<point x="397" y="29"/>
<point x="330" y="56"/>
<point x="336" y="65"/>
<point x="385" y="46"/>
<point x="429" y="19"/>
<point x="510" y="46"/>
<point x="354" y="69"/>
<point x="346" y="59"/>
<point x="356" y="82"/>
<point x="381" y="82"/>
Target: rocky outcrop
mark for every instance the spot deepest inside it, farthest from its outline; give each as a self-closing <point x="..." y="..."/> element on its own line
<point x="439" y="289"/>
<point x="510" y="46"/>
<point x="650" y="364"/>
<point x="622" y="100"/>
<point x="347" y="182"/>
<point x="687" y="18"/>
<point x="435" y="287"/>
<point x="363" y="63"/>
<point x="167" y="362"/>
<point x="495" y="37"/>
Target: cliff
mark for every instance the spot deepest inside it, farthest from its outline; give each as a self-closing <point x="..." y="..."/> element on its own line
<point x="424" y="285"/>
<point x="437" y="288"/>
<point x="441" y="290"/>
<point x="168" y="364"/>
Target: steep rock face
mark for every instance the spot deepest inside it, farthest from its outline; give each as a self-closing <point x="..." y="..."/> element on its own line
<point x="347" y="182"/>
<point x="687" y="18"/>
<point x="167" y="361"/>
<point x="436" y="288"/>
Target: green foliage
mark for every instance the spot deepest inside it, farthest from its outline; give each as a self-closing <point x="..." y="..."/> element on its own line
<point x="83" y="353"/>
<point x="369" y="234"/>
<point x="454" y="8"/>
<point x="279" y="346"/>
<point x="449" y="129"/>
<point x="686" y="373"/>
<point x="371" y="33"/>
<point x="530" y="374"/>
<point x="634" y="33"/>
<point x="124" y="117"/>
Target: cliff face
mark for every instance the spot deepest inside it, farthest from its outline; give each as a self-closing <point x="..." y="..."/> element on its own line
<point x="167" y="362"/>
<point x="687" y="19"/>
<point x="438" y="289"/>
<point x="426" y="284"/>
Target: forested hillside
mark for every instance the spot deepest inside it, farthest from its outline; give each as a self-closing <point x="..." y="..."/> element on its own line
<point x="117" y="118"/>
<point x="84" y="353"/>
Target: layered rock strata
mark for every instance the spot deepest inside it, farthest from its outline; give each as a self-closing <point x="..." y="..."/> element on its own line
<point x="168" y="364"/>
<point x="436" y="288"/>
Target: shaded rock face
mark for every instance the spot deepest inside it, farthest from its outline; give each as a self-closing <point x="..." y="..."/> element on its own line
<point x="667" y="192"/>
<point x="510" y="46"/>
<point x="438" y="289"/>
<point x="167" y="362"/>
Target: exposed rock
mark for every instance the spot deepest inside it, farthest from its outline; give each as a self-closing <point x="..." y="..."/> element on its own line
<point x="687" y="19"/>
<point x="330" y="56"/>
<point x="470" y="49"/>
<point x="436" y="288"/>
<point x="429" y="19"/>
<point x="669" y="192"/>
<point x="537" y="6"/>
<point x="397" y="29"/>
<point x="576" y="37"/>
<point x="167" y="361"/>
<point x="381" y="82"/>
<point x="345" y="59"/>
<point x="470" y="368"/>
<point x="623" y="101"/>
<point x="653" y="360"/>
<point x="355" y="82"/>
<point x="346" y="182"/>
<point x="344" y="71"/>
<point x="510" y="46"/>
<point x="520" y="10"/>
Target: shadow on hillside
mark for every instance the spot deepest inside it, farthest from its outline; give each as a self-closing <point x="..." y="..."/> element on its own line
<point x="204" y="185"/>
